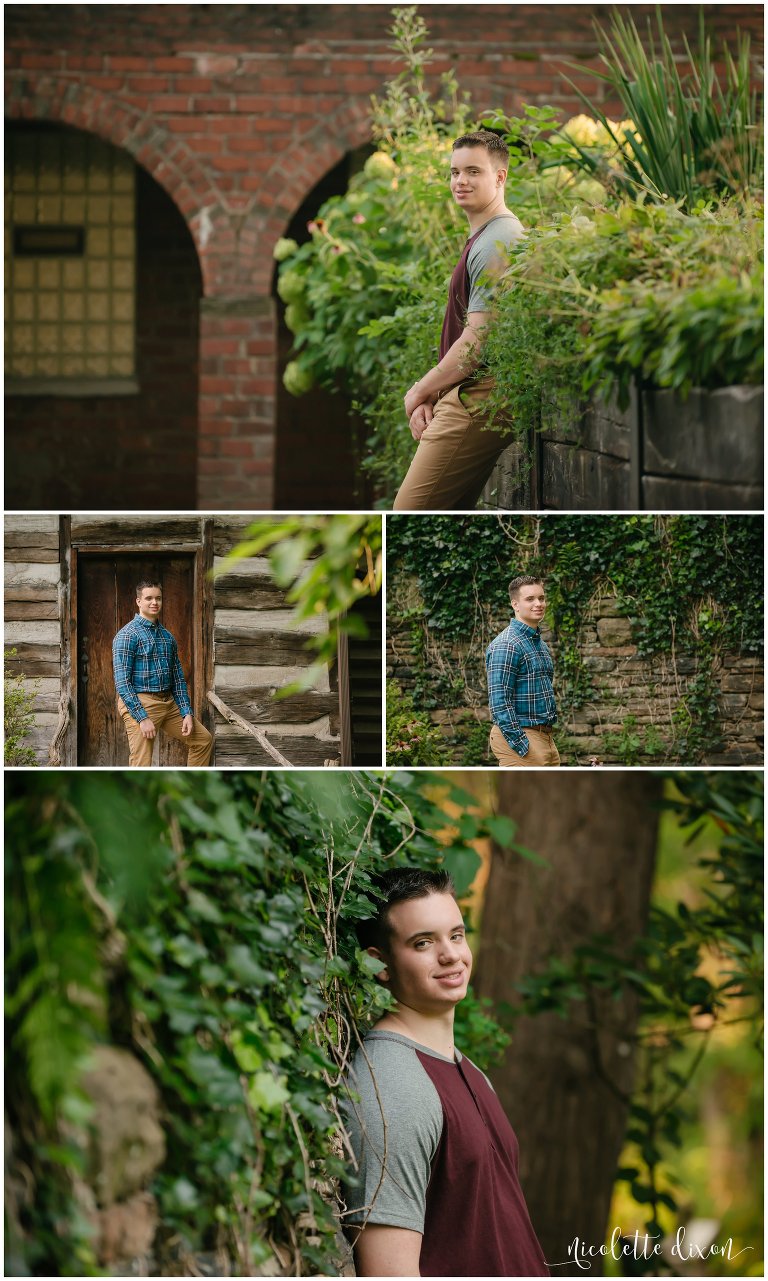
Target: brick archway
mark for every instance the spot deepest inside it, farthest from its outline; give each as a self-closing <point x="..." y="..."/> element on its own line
<point x="289" y="180"/>
<point x="166" y="158"/>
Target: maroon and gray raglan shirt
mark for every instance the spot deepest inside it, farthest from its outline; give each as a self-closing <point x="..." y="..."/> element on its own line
<point x="435" y="1153"/>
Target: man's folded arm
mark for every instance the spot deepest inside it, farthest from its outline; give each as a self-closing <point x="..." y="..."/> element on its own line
<point x="382" y="1251"/>
<point x="460" y="360"/>
<point x="122" y="666"/>
<point x="501" y="665"/>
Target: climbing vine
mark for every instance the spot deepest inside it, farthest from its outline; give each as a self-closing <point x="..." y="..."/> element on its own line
<point x="689" y="586"/>
<point x="204" y="923"/>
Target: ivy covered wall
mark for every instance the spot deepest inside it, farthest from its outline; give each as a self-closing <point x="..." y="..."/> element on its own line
<point x="655" y="623"/>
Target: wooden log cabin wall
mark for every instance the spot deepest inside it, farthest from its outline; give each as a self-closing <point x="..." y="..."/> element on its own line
<point x="69" y="588"/>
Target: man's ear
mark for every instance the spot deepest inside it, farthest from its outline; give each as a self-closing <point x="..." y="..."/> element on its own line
<point x="377" y="955"/>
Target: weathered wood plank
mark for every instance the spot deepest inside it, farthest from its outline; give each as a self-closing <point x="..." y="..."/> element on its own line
<point x="35" y="660"/>
<point x="34" y="545"/>
<point x="248" y="565"/>
<point x="268" y="647"/>
<point x="35" y="555"/>
<point x="242" y="751"/>
<point x="230" y="530"/>
<point x="252" y="591"/>
<point x="21" y="609"/>
<point x="257" y="704"/>
<point x="163" y="530"/>
<point x="36" y="522"/>
<point x="41" y="592"/>
<point x="253" y="731"/>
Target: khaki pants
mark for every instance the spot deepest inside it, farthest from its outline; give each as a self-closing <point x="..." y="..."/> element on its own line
<point x="167" y="719"/>
<point x="455" y="456"/>
<point x="541" y="749"/>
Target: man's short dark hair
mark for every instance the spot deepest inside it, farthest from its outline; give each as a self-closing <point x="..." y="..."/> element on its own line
<point x="494" y="145"/>
<point x="397" y="885"/>
<point x="147" y="582"/>
<point x="525" y="580"/>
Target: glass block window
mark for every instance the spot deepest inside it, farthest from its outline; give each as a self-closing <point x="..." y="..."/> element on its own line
<point x="69" y="314"/>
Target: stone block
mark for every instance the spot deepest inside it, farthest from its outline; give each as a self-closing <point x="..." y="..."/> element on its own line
<point x="508" y="486"/>
<point x="605" y="607"/>
<point x="713" y="435"/>
<point x="672" y="494"/>
<point x="730" y="703"/>
<point x="600" y="664"/>
<point x="601" y="427"/>
<point x="575" y="479"/>
<point x="737" y="684"/>
<point x="127" y="1143"/>
<point x="615" y="630"/>
<point x="685" y="666"/>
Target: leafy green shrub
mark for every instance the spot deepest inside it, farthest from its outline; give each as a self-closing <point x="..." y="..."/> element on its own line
<point x="205" y="922"/>
<point x="412" y="739"/>
<point x="18" y="716"/>
<point x="689" y="135"/>
<point x="595" y="301"/>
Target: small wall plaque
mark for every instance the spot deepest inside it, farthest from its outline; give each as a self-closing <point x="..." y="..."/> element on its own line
<point x="48" y="241"/>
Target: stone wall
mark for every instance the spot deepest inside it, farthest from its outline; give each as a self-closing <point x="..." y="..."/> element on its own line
<point x="628" y="719"/>
<point x="660" y="454"/>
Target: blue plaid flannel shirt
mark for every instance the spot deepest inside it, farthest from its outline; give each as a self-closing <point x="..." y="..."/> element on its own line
<point x="520" y="693"/>
<point x="145" y="660"/>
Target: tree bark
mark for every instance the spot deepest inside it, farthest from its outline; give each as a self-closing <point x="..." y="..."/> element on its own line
<point x="565" y="1082"/>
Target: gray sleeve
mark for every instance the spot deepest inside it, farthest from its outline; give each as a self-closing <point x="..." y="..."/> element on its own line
<point x="484" y="257"/>
<point x="394" y="1137"/>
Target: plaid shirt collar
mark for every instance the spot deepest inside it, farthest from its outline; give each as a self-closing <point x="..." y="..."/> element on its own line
<point x="147" y="622"/>
<point x="533" y="633"/>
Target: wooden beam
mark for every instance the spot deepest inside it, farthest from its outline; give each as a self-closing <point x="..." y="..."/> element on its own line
<point x="19" y="611"/>
<point x="258" y="734"/>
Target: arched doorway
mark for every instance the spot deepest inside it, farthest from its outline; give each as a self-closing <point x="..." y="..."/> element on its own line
<point x="318" y="440"/>
<point x="102" y="329"/>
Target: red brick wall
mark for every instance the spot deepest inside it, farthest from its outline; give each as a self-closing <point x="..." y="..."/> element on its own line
<point x="104" y="453"/>
<point x="239" y="110"/>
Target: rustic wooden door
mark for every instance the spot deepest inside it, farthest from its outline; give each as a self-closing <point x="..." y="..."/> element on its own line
<point x="106" y="601"/>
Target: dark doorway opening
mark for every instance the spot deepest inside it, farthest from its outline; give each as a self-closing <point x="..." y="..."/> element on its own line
<point x="319" y="441"/>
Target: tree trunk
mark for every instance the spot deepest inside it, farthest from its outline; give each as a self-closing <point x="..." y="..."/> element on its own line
<point x="565" y="1081"/>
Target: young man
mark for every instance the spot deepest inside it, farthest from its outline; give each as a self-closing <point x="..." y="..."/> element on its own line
<point x="520" y="693"/>
<point x="455" y="455"/>
<point x="151" y="690"/>
<point x="437" y="1190"/>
